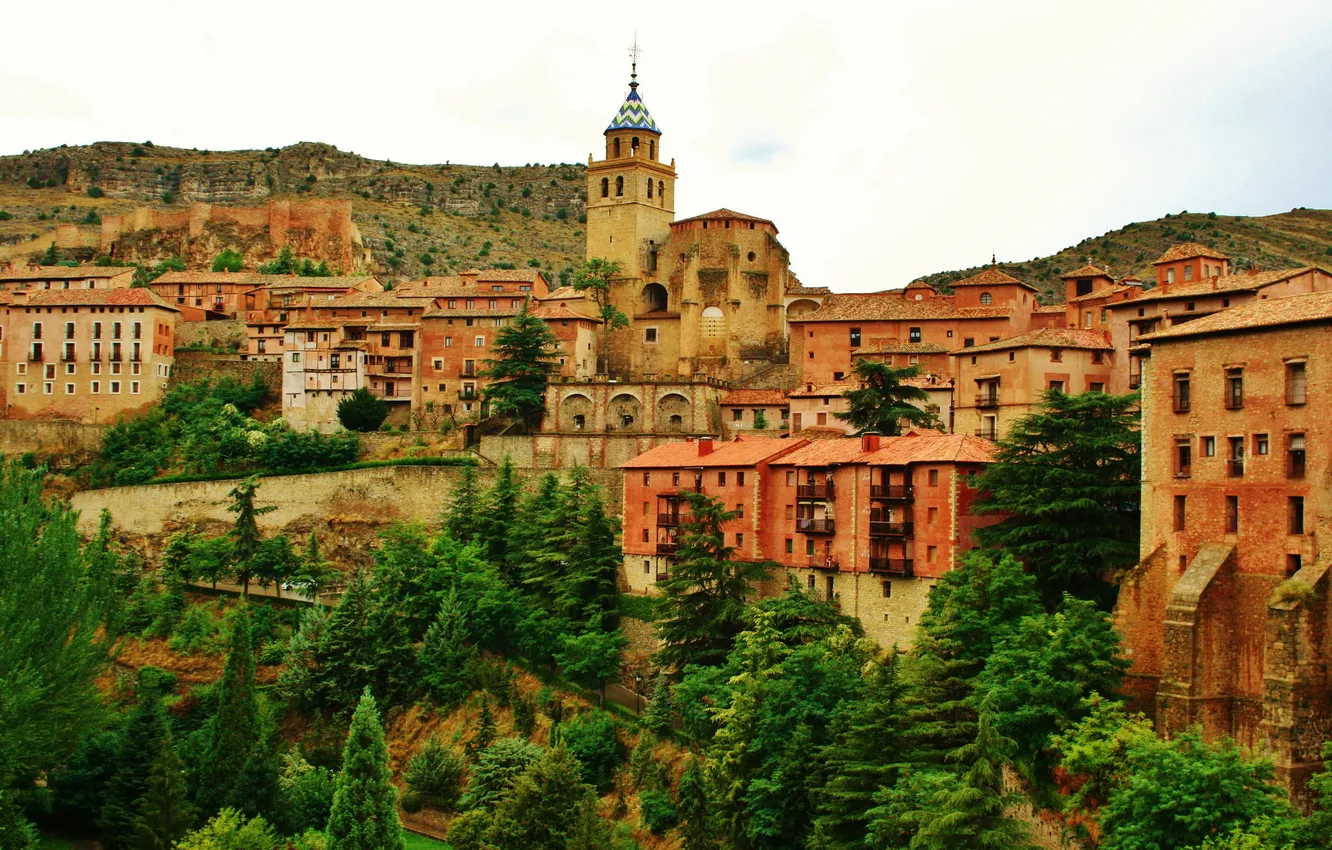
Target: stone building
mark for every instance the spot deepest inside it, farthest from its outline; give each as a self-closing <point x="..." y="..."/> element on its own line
<point x="270" y="307"/>
<point x="868" y="523"/>
<point x="16" y="277"/>
<point x="221" y="294"/>
<point x="88" y="355"/>
<point x="1000" y="382"/>
<point x="1227" y="616"/>
<point x="705" y="294"/>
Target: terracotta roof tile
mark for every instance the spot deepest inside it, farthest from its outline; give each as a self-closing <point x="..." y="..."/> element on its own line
<point x="64" y="272"/>
<point x="816" y="432"/>
<point x="891" y="306"/>
<point x="559" y="311"/>
<point x="1085" y="271"/>
<point x="1243" y="282"/>
<point x="1048" y="308"/>
<point x="1186" y="250"/>
<point x="1103" y="292"/>
<point x="1046" y="338"/>
<point x="299" y="282"/>
<point x="920" y="447"/>
<point x="885" y="347"/>
<point x="738" y="452"/>
<point x="128" y="297"/>
<point x="990" y="277"/>
<point x="508" y="275"/>
<point x="807" y="290"/>
<point x="722" y="215"/>
<point x="242" y="278"/>
<point x="380" y="299"/>
<point x="566" y="292"/>
<point x="754" y="397"/>
<point x="825" y="389"/>
<point x="1269" y="312"/>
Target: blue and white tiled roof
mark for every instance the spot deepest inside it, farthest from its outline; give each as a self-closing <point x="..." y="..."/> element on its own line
<point x="633" y="114"/>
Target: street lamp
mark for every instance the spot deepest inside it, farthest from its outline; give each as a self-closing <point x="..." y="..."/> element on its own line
<point x="638" y="693"/>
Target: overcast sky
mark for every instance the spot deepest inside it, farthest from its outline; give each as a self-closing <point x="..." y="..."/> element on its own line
<point x="886" y="140"/>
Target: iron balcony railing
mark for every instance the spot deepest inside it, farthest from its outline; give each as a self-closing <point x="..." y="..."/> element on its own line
<point x="879" y="528"/>
<point x="816" y="491"/>
<point x="1235" y="468"/>
<point x="892" y="566"/>
<point x="891" y="491"/>
<point x="816" y="526"/>
<point x="987" y="400"/>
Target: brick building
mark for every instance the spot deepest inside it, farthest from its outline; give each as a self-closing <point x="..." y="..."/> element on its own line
<point x="271" y="306"/>
<point x="89" y="355"/>
<point x="746" y="410"/>
<point x="869" y="523"/>
<point x="1000" y="382"/>
<point x="221" y="294"/>
<point x="16" y="277"/>
<point x="1227" y="616"/>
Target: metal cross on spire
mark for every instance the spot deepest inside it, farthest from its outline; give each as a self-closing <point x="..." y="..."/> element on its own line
<point x="634" y="53"/>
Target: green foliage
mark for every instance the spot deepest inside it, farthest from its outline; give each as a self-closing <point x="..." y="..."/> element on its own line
<point x="436" y="773"/>
<point x="496" y="769"/>
<point x="141" y="748"/>
<point x="362" y="411"/>
<point x="660" y="714"/>
<point x="164" y="813"/>
<point x="228" y="261"/>
<point x="95" y="192"/>
<point x="445" y="655"/>
<point x="306" y="792"/>
<point x="659" y="810"/>
<point x="290" y="451"/>
<point x="364" y="814"/>
<point x="233" y="730"/>
<point x="525" y="355"/>
<point x="230" y="830"/>
<point x="595" y="276"/>
<point x="466" y="519"/>
<point x="593" y="738"/>
<point x="51" y="610"/>
<point x="286" y="262"/>
<point x="1095" y="751"/>
<point x="1067" y="482"/>
<point x="884" y="399"/>
<point x="700" y="612"/>
<point x="549" y="808"/>
<point x="591" y="659"/>
<point x="696" y="830"/>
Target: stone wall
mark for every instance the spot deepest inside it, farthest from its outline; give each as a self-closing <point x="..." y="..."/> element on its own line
<point x="49" y="437"/>
<point x="220" y="333"/>
<point x="194" y="365"/>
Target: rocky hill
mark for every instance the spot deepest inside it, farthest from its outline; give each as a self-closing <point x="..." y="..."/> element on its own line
<point x="415" y="219"/>
<point x="1301" y="237"/>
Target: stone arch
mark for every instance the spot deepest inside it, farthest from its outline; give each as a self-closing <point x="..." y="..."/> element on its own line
<point x="633" y="146"/>
<point x="619" y="186"/>
<point x="673" y="412"/>
<point x="649" y="188"/>
<point x="714" y="322"/>
<point x="615" y="144"/>
<point x="800" y="307"/>
<point x="605" y="187"/>
<point x="652" y="149"/>
<point x="624" y="413"/>
<point x="655" y="297"/>
<point x="576" y="412"/>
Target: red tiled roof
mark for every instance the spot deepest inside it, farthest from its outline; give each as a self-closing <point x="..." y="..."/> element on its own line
<point x="800" y="289"/>
<point x="918" y="447"/>
<point x="658" y="314"/>
<point x="1243" y="282"/>
<point x="754" y="397"/>
<point x="1048" y="308"/>
<point x="508" y="275"/>
<point x="746" y="451"/>
<point x="816" y="432"/>
<point x="559" y="311"/>
<point x="63" y="272"/>
<point x="1103" y="292"/>
<point x="242" y="278"/>
<point x="390" y="298"/>
<point x="884" y="347"/>
<point x="825" y="389"/>
<point x="992" y="277"/>
<point x="1187" y="250"/>
<point x="1269" y="312"/>
<point x="298" y="282"/>
<point x="1046" y="338"/>
<point x="127" y="297"/>
<point x="1085" y="271"/>
<point x="567" y="292"/>
<point x="892" y="306"/>
<point x="723" y="214"/>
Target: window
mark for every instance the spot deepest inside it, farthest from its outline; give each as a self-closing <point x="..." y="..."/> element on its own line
<point x="605" y="187"/>
<point x="790" y="546"/>
<point x="737" y="415"/>
<point x="931" y="553"/>
<point x="821" y="419"/>
<point x="740" y="478"/>
<point x="645" y="536"/>
<point x="934" y="478"/>
<point x="913" y="334"/>
<point x="96" y="386"/>
<point x="1056" y="355"/>
<point x="480" y="342"/>
<point x="1295" y="456"/>
<point x="887" y="590"/>
<point x="1096" y="387"/>
<point x="790" y="511"/>
<point x="69" y="389"/>
<point x="1057" y="386"/>
<point x="1209" y="446"/>
<point x="855" y="337"/>
<point x="69" y="330"/>
<point x="1098" y="357"/>
<point x="739" y="539"/>
<point x="837" y="376"/>
<point x="1232" y="514"/>
<point x="739" y="510"/>
<point x="1170" y="275"/>
<point x="790" y="478"/>
<point x="647" y="479"/>
<point x="1234" y="389"/>
<point x="619" y="187"/>
<point x="448" y="342"/>
<point x="134" y="387"/>
<point x="986" y="298"/>
<point x="115" y="387"/>
<point x="1181" y="516"/>
<point x="1183" y="458"/>
<point x="1260" y="444"/>
<point x="1235" y="462"/>
<point x="1190" y="306"/>
<point x="1293" y="564"/>
<point x="721" y="478"/>
<point x="1188" y="274"/>
<point x="932" y="516"/>
<point x="968" y="341"/>
<point x="675" y="479"/>
<point x="1182" y="392"/>
<point x="1295" y="515"/>
<point x="649" y="335"/>
<point x="1296" y="383"/>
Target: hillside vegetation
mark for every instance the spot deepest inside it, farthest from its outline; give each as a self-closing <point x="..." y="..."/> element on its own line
<point x="415" y="219"/>
<point x="1301" y="237"/>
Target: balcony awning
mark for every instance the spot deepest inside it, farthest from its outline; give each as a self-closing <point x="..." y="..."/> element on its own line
<point x="987" y="378"/>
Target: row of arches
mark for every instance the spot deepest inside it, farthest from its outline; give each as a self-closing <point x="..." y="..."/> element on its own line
<point x="619" y="188"/>
<point x="634" y="147"/>
<point x="624" y="413"/>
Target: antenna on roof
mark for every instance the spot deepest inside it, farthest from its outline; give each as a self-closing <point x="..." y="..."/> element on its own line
<point x="634" y="53"/>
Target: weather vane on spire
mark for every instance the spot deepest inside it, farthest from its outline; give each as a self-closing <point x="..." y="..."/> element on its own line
<point x="634" y="53"/>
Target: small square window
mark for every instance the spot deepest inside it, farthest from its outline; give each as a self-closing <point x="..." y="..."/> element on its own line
<point x="739" y="539"/>
<point x="69" y="389"/>
<point x="649" y="335"/>
<point x="934" y="477"/>
<point x="1209" y="446"/>
<point x="1260" y="444"/>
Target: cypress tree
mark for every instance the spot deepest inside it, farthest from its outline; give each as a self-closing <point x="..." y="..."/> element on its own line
<point x="365" y="812"/>
<point x="164" y="812"/>
<point x="445" y="655"/>
<point x="696" y="830"/>
<point x="466" y="520"/>
<point x="143" y="740"/>
<point x="862" y="760"/>
<point x="970" y="811"/>
<point x="589" y="593"/>
<point x="502" y="513"/>
<point x="659" y="716"/>
<point x="234" y="728"/>
<point x="344" y="658"/>
<point x="246" y="538"/>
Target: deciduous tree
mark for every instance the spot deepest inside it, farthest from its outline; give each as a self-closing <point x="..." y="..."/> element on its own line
<point x="594" y="278"/>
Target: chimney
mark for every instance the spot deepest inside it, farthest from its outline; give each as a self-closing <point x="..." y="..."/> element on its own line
<point x="809" y="388"/>
<point x="869" y="441"/>
<point x="704" y="446"/>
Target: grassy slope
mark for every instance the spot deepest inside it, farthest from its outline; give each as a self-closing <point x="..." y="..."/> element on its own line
<point x="1300" y="237"/>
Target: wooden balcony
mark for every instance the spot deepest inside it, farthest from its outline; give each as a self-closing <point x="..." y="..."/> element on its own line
<point x="1235" y="468"/>
<point x="816" y="526"/>
<point x="398" y="394"/>
<point x="987" y="400"/>
<point x="893" y="566"/>
<point x="667" y="548"/>
<point x="892" y="491"/>
<point x="821" y="492"/>
<point x="673" y="520"/>
<point x="878" y="528"/>
<point x="823" y="562"/>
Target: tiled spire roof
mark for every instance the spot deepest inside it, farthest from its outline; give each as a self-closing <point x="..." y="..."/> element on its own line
<point x="633" y="114"/>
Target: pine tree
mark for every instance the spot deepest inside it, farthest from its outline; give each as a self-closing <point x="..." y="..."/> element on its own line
<point x="970" y="811"/>
<point x="234" y="728"/>
<point x="502" y="514"/>
<point x="297" y="679"/>
<point x="315" y="571"/>
<point x="365" y="812"/>
<point x="696" y="830"/>
<point x="530" y="530"/>
<point x="142" y="742"/>
<point x="589" y="593"/>
<point x="246" y="538"/>
<point x="546" y="805"/>
<point x="164" y="813"/>
<point x="345" y="656"/>
<point x="884" y="399"/>
<point x="863" y="759"/>
<point x="526" y="354"/>
<point x="486" y="730"/>
<point x="659" y="717"/>
<point x="445" y="655"/>
<point x="257" y="792"/>
<point x="548" y="564"/>
<point x="466" y="519"/>
<point x="1067" y="482"/>
<point x="704" y="598"/>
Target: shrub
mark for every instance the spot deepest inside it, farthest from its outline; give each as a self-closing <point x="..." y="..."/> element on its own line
<point x="95" y="192"/>
<point x="497" y="768"/>
<point x="436" y="775"/>
<point x="362" y="411"/>
<point x="299" y="451"/>
<point x="228" y="261"/>
<point x="659" y="812"/>
<point x="5" y="215"/>
<point x="197" y="633"/>
<point x="412" y="802"/>
<point x="593" y="738"/>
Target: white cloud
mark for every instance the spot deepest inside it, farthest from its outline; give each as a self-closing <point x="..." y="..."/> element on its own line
<point x="886" y="140"/>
